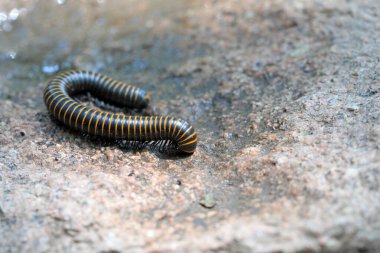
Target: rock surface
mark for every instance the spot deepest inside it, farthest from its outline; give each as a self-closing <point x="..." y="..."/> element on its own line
<point x="285" y="96"/>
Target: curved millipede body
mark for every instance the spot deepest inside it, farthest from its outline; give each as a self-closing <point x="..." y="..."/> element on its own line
<point x="58" y="97"/>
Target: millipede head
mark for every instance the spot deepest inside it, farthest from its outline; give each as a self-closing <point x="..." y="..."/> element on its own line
<point x="188" y="143"/>
<point x="188" y="148"/>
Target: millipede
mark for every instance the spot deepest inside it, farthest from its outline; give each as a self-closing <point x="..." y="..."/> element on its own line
<point x="59" y="99"/>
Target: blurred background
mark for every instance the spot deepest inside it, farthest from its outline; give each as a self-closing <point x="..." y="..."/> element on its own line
<point x="39" y="38"/>
<point x="284" y="96"/>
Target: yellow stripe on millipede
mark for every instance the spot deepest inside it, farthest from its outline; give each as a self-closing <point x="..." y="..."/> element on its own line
<point x="57" y="80"/>
<point x="60" y="79"/>
<point x="160" y="126"/>
<point x="89" y="122"/>
<point x="109" y="83"/>
<point x="150" y="126"/>
<point x="180" y="138"/>
<point x="176" y="122"/>
<point x="131" y="97"/>
<point x="65" y="74"/>
<point x="188" y="137"/>
<point x="116" y="124"/>
<point x="64" y="115"/>
<point x="104" y="121"/>
<point x="95" y="77"/>
<point x="112" y="85"/>
<point x="127" y="90"/>
<point x="84" y="118"/>
<point x="73" y="72"/>
<point x="166" y="119"/>
<point x="51" y="102"/>
<point x="129" y="126"/>
<point x="155" y="126"/>
<point x="71" y="114"/>
<point x="99" y="77"/>
<point x="141" y="122"/>
<point x="109" y="127"/>
<point x="145" y="126"/>
<point x="92" y="76"/>
<point x="76" y="120"/>
<point x="50" y="90"/>
<point x="48" y="98"/>
<point x="97" y="121"/>
<point x="82" y="76"/>
<point x="134" y="127"/>
<point x="55" y="107"/>
<point x="54" y="83"/>
<point x="58" y="90"/>
<point x="60" y="110"/>
<point x="179" y="131"/>
<point x="170" y="126"/>
<point x="122" y="126"/>
<point x="189" y="152"/>
<point x="115" y="86"/>
<point x="137" y="91"/>
<point x="191" y="142"/>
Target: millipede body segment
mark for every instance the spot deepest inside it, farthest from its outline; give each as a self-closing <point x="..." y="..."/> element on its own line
<point x="58" y="97"/>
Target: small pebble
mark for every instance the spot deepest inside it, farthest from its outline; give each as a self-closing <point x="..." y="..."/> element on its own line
<point x="352" y="107"/>
<point x="208" y="201"/>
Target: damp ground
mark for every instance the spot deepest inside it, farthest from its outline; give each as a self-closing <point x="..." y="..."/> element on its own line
<point x="284" y="95"/>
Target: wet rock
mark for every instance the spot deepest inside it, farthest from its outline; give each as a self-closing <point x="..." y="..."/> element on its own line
<point x="284" y="97"/>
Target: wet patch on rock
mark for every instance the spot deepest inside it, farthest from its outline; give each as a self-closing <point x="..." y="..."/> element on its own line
<point x="285" y="99"/>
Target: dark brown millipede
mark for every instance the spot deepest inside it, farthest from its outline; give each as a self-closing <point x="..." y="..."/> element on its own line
<point x="58" y="97"/>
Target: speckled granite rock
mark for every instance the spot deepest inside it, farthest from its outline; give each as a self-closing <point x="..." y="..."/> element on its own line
<point x="285" y="97"/>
